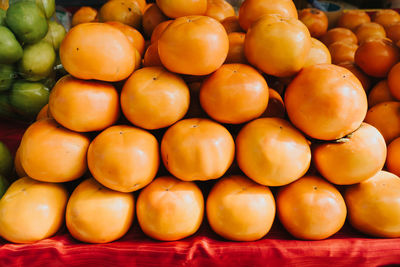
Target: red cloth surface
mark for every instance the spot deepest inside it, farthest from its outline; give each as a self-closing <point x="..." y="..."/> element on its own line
<point x="278" y="248"/>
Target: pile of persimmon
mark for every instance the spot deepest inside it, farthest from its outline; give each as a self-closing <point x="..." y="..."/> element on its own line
<point x="161" y="97"/>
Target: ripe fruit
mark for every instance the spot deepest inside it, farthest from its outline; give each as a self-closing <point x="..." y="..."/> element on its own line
<point x="339" y="34"/>
<point x="229" y="198"/>
<point x="380" y="93"/>
<point x="125" y="11"/>
<point x="197" y="149"/>
<point x="374" y="206"/>
<point x="385" y="117"/>
<point x="342" y="52"/>
<point x="180" y="8"/>
<point x="288" y="41"/>
<point x="124" y="158"/>
<point x="97" y="51"/>
<point x="154" y="98"/>
<point x="151" y="57"/>
<point x="393" y="32"/>
<point x="43" y="113"/>
<point x="236" y="48"/>
<point x="351" y="19"/>
<point x="315" y="20"/>
<point x="195" y="45"/>
<point x="326" y="102"/>
<point x="31" y="210"/>
<point x="392" y="162"/>
<point x="319" y="54"/>
<point x="235" y="93"/>
<point x="272" y="152"/>
<point x="51" y="153"/>
<point x="133" y="35"/>
<point x="276" y="107"/>
<point x="84" y="14"/>
<point x="17" y="164"/>
<point x="353" y="159"/>
<point x="219" y="9"/>
<point x="231" y="24"/>
<point x="361" y="76"/>
<point x="394" y="81"/>
<point x="311" y="208"/>
<point x="252" y="10"/>
<point x="169" y="209"/>
<point x="386" y="17"/>
<point x="369" y="30"/>
<point x="377" y="56"/>
<point x="158" y="30"/>
<point x="96" y="214"/>
<point x="151" y="18"/>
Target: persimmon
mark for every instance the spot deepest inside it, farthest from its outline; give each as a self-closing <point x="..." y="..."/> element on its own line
<point x="219" y="94"/>
<point x="315" y="20"/>
<point x="326" y="102"/>
<point x="377" y="56"/>
<point x="252" y="10"/>
<point x="97" y="51"/>
<point x="373" y="205"/>
<point x="231" y="24"/>
<point x="219" y="9"/>
<point x="151" y="57"/>
<point x="272" y="152"/>
<point x="311" y="208"/>
<point x="361" y="76"/>
<point x="17" y="164"/>
<point x="342" y="52"/>
<point x="43" y="113"/>
<point x="124" y="158"/>
<point x="152" y="17"/>
<point x="169" y="209"/>
<point x="125" y="11"/>
<point x="354" y="158"/>
<point x="386" y="17"/>
<point x="394" y="81"/>
<point x="52" y="153"/>
<point x="369" y="30"/>
<point x="288" y="41"/>
<point x="154" y="98"/>
<point x="236" y="48"/>
<point x="32" y="210"/>
<point x="385" y="117"/>
<point x="141" y="3"/>
<point x="319" y="54"/>
<point x="393" y="32"/>
<point x="194" y="45"/>
<point x="392" y="161"/>
<point x="84" y="106"/>
<point x="276" y="106"/>
<point x="380" y="93"/>
<point x="351" y="19"/>
<point x="339" y="34"/>
<point x="96" y="214"/>
<point x="226" y="202"/>
<point x="180" y="8"/>
<point x="197" y="149"/>
<point x="83" y="15"/>
<point x="158" y="30"/>
<point x="133" y="35"/>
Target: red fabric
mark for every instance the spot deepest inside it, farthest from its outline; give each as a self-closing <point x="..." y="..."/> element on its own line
<point x="278" y="248"/>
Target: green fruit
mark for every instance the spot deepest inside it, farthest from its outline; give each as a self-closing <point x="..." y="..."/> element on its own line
<point x="10" y="49"/>
<point x="47" y="6"/>
<point x="38" y="61"/>
<point x="27" y="22"/>
<point x="28" y="98"/>
<point x="50" y="81"/>
<point x="6" y="161"/>
<point x="7" y="76"/>
<point x="55" y="34"/>
<point x="2" y="17"/>
<point x="3" y="185"/>
<point x="6" y="110"/>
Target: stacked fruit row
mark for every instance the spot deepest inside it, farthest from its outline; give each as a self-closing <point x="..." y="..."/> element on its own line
<point x="230" y="122"/>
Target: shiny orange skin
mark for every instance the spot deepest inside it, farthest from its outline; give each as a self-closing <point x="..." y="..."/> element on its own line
<point x="84" y="106"/>
<point x="235" y="93"/>
<point x="83" y="15"/>
<point x="169" y="209"/>
<point x="236" y="48"/>
<point x="377" y="56"/>
<point x="326" y="102"/>
<point x="43" y="113"/>
<point x="141" y="3"/>
<point x="133" y="35"/>
<point x="353" y="159"/>
<point x="380" y="93"/>
<point x="373" y="205"/>
<point x="17" y="164"/>
<point x="315" y="20"/>
<point x="96" y="214"/>
<point x="351" y="19"/>
<point x="158" y="30"/>
<point x="342" y="52"/>
<point x="272" y="152"/>
<point x="154" y="98"/>
<point x="252" y="10"/>
<point x="394" y="81"/>
<point x="386" y="17"/>
<point x="319" y="54"/>
<point x="151" y="57"/>
<point x="194" y="39"/>
<point x="339" y="34"/>
<point x="288" y="41"/>
<point x="276" y="106"/>
<point x="97" y="51"/>
<point x="231" y="24"/>
<point x="124" y="158"/>
<point x="31" y="210"/>
<point x="393" y="32"/>
<point x="125" y="11"/>
<point x="226" y="202"/>
<point x="197" y="149"/>
<point x="393" y="156"/>
<point x="369" y="30"/>
<point x="385" y="117"/>
<point x="311" y="208"/>
<point x="152" y="17"/>
<point x="180" y="8"/>
<point x="52" y="153"/>
<point x="219" y="9"/>
<point x="361" y="76"/>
